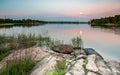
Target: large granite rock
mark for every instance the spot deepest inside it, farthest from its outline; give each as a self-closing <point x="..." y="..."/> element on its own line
<point x="76" y="68"/>
<point x="35" y="54"/>
<point x="114" y="66"/>
<point x="46" y="65"/>
<point x="89" y="63"/>
<point x="97" y="65"/>
<point x="63" y="48"/>
<point x="93" y="65"/>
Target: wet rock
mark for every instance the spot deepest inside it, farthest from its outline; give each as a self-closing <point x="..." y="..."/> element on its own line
<point x="65" y="49"/>
<point x="90" y="51"/>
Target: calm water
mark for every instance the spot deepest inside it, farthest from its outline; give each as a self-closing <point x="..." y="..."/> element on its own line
<point x="104" y="40"/>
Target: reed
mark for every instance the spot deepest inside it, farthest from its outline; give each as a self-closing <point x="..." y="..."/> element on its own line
<point x="21" y="67"/>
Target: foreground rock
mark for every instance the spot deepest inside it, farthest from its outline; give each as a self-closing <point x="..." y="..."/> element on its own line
<point x="76" y="68"/>
<point x="97" y="65"/>
<point x="46" y="65"/>
<point x="83" y="63"/>
<point x="93" y="65"/>
<point x="36" y="54"/>
<point x="66" y="49"/>
<point x="114" y="66"/>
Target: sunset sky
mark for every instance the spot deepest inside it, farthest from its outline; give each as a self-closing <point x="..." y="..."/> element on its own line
<point x="58" y="8"/>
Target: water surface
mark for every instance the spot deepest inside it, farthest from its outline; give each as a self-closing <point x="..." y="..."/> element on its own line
<point x="106" y="41"/>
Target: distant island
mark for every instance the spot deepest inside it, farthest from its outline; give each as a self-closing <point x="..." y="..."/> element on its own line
<point x="107" y="21"/>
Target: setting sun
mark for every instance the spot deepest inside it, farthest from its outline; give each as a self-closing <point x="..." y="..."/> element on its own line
<point x="81" y="13"/>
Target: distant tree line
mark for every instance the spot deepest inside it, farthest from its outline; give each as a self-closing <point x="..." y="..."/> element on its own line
<point x="25" y="21"/>
<point x="107" y="20"/>
<point x="30" y="21"/>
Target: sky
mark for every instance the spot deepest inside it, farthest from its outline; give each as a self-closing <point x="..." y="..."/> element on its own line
<point x="39" y="9"/>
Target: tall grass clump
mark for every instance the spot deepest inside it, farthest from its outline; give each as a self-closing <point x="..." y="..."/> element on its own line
<point x="26" y="41"/>
<point x="77" y="43"/>
<point x="21" y="67"/>
<point x="22" y="41"/>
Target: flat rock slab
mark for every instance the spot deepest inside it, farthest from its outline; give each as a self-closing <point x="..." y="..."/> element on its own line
<point x="63" y="48"/>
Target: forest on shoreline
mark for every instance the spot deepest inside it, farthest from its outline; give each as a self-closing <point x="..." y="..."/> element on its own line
<point x="23" y="21"/>
<point x="30" y="21"/>
<point x="108" y="21"/>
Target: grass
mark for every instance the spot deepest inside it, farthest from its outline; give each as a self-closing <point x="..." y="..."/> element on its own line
<point x="60" y="68"/>
<point x="85" y="62"/>
<point x="84" y="65"/>
<point x="77" y="43"/>
<point x="22" y="41"/>
<point x="21" y="67"/>
<point x="3" y="55"/>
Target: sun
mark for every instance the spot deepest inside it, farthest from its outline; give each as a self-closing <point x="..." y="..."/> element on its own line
<point x="81" y="13"/>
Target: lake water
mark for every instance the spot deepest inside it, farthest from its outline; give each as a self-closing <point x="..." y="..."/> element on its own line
<point x="106" y="41"/>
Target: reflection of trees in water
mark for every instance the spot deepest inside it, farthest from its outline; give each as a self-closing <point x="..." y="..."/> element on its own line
<point x="19" y="25"/>
<point x="115" y="30"/>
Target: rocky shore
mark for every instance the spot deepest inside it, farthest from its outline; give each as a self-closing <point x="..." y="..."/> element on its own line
<point x="79" y="62"/>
